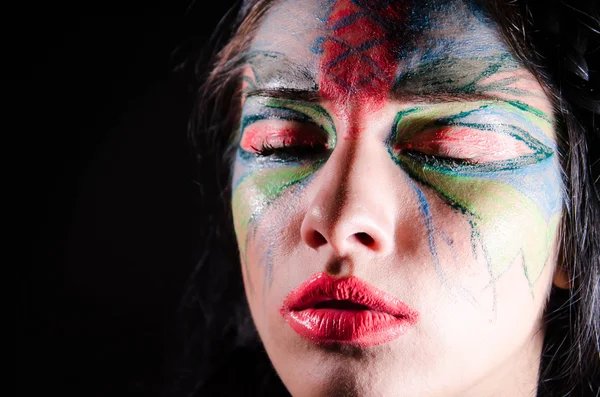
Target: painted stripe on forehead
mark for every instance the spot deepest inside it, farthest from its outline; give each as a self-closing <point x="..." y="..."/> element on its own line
<point x="358" y="50"/>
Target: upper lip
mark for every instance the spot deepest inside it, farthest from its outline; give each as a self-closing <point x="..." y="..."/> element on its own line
<point x="322" y="287"/>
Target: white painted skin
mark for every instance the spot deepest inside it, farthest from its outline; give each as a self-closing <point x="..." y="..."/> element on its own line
<point x="471" y="339"/>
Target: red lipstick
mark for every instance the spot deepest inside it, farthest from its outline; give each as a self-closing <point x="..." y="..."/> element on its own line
<point x="329" y="310"/>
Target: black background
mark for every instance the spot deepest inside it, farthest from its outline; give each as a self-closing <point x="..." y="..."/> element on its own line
<point x="110" y="189"/>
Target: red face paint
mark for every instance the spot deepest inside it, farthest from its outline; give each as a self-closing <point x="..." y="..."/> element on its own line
<point x="466" y="144"/>
<point x="280" y="134"/>
<point x="359" y="63"/>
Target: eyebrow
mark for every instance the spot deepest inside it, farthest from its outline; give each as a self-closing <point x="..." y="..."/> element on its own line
<point x="315" y="96"/>
<point x="287" y="93"/>
<point x="441" y="97"/>
<point x="279" y="78"/>
<point x="277" y="72"/>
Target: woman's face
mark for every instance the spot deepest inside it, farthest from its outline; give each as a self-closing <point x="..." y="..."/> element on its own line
<point x="396" y="197"/>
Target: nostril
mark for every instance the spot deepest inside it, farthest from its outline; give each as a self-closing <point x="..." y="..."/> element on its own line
<point x="365" y="239"/>
<point x="316" y="239"/>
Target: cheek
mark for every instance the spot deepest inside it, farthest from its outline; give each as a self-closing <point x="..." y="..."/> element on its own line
<point x="260" y="203"/>
<point x="509" y="219"/>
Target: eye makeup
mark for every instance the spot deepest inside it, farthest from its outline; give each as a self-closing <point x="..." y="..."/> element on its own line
<point x="470" y="138"/>
<point x="285" y="130"/>
<point x="493" y="162"/>
<point x="287" y="142"/>
<point x="282" y="143"/>
<point x="463" y="145"/>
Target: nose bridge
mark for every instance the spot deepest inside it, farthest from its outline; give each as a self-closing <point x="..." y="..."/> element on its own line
<point x="353" y="208"/>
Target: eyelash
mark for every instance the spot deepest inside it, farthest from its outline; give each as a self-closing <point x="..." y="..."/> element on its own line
<point x="437" y="159"/>
<point x="288" y="151"/>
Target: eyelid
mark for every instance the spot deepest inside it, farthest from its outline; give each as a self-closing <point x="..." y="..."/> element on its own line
<point x="259" y="108"/>
<point x="495" y="112"/>
<point x="467" y="144"/>
<point x="413" y="123"/>
<point x="258" y="136"/>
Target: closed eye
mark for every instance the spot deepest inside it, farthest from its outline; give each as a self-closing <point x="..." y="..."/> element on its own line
<point x="465" y="144"/>
<point x="284" y="140"/>
<point x="472" y="148"/>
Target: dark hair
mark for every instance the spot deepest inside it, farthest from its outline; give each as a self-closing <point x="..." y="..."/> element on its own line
<point x="219" y="352"/>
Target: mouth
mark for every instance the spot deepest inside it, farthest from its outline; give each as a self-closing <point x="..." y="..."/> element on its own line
<point x="328" y="310"/>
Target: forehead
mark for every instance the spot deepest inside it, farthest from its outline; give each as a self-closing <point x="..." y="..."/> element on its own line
<point x="364" y="47"/>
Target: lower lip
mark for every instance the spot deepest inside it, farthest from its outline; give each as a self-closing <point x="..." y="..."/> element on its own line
<point x="351" y="327"/>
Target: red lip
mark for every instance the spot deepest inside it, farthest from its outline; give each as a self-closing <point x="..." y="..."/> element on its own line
<point x="371" y="316"/>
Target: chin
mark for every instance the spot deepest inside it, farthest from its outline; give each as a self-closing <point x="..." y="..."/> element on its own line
<point x="337" y="369"/>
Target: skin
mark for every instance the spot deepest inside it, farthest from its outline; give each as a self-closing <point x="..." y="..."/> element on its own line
<point x="405" y="146"/>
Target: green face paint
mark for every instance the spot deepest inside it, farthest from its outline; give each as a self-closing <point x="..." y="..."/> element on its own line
<point x="489" y="154"/>
<point x="262" y="179"/>
<point x="439" y="185"/>
<point x="498" y="193"/>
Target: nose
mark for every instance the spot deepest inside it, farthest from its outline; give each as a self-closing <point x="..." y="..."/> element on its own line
<point x="352" y="210"/>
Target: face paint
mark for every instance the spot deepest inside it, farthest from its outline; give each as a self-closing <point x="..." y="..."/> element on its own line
<point x="409" y="123"/>
<point x="359" y="68"/>
<point x="276" y="158"/>
<point x="452" y="149"/>
<point x="358" y="72"/>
